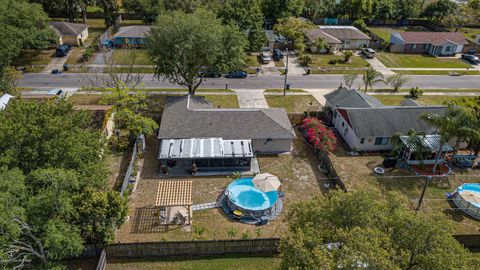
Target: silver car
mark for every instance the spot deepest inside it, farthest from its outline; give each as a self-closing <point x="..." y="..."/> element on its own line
<point x="265" y="58"/>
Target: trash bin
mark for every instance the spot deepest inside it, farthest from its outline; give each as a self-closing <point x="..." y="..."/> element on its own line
<point x="288" y="86"/>
<point x="65" y="67"/>
<point x="308" y="71"/>
<point x="55" y="71"/>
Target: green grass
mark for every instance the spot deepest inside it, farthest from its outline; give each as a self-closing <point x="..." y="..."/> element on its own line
<point x="85" y="99"/>
<point x="133" y="70"/>
<point x="384" y="32"/>
<point x="250" y="70"/>
<point x="419" y="61"/>
<point x="337" y="71"/>
<point x="211" y="263"/>
<point x="213" y="90"/>
<point x="395" y="100"/>
<point x="223" y="101"/>
<point x="437" y="72"/>
<point x="279" y="64"/>
<point x="293" y="104"/>
<point x="33" y="57"/>
<point x="469" y="33"/>
<point x="75" y="56"/>
<point x="278" y="90"/>
<point x="252" y="60"/>
<point x="322" y="61"/>
<point x="132" y="22"/>
<point x="96" y="27"/>
<point x="126" y="56"/>
<point x="429" y="90"/>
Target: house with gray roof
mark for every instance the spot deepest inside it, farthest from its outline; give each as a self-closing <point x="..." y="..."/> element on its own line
<point x="345" y="37"/>
<point x="220" y="139"/>
<point x="132" y="35"/>
<point x="366" y="124"/>
<point x="70" y="33"/>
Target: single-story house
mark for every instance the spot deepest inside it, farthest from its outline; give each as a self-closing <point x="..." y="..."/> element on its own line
<point x="220" y="139"/>
<point x="70" y="33"/>
<point x="312" y="35"/>
<point x="4" y="99"/>
<point x="339" y="37"/>
<point x="434" y="43"/>
<point x="133" y="35"/>
<point x="366" y="124"/>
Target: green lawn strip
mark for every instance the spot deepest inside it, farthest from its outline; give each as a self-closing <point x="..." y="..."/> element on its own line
<point x="223" y="101"/>
<point x="384" y="32"/>
<point x="419" y="61"/>
<point x="428" y="90"/>
<point x="75" y="56"/>
<point x="126" y="56"/>
<point x="279" y="64"/>
<point x="214" y="90"/>
<point x="207" y="263"/>
<point x="337" y="71"/>
<point x="278" y="90"/>
<point x="292" y="104"/>
<point x="395" y="100"/>
<point x="85" y="99"/>
<point x="438" y="72"/>
<point x="132" y="22"/>
<point x="252" y="60"/>
<point x="322" y="60"/>
<point x="133" y="70"/>
<point x="251" y="70"/>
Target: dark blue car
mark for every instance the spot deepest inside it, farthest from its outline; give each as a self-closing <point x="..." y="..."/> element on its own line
<point x="236" y="74"/>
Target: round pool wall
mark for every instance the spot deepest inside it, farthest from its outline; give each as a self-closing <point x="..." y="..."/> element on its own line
<point x="467" y="198"/>
<point x="244" y="195"/>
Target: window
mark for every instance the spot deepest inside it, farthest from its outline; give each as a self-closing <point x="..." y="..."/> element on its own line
<point x="414" y="46"/>
<point x="362" y="140"/>
<point x="335" y="114"/>
<point x="343" y="124"/>
<point x="381" y="141"/>
<point x="448" y="48"/>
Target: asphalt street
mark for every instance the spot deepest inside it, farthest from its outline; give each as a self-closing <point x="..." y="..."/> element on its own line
<point x="76" y="80"/>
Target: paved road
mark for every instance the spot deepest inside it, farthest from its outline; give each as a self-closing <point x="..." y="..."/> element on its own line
<point x="73" y="80"/>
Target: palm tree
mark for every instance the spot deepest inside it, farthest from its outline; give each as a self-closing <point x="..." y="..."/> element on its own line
<point x="371" y="77"/>
<point x="446" y="125"/>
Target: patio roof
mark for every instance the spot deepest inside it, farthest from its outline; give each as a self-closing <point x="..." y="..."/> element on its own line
<point x="429" y="142"/>
<point x="205" y="148"/>
<point x="174" y="193"/>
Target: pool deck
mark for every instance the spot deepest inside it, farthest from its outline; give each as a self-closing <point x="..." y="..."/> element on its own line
<point x="183" y="169"/>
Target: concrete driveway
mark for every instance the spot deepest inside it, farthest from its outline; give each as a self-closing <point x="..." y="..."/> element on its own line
<point x="379" y="66"/>
<point x="55" y="63"/>
<point x="248" y="98"/>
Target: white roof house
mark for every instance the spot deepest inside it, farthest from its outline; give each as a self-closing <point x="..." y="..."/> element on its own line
<point x="4" y="101"/>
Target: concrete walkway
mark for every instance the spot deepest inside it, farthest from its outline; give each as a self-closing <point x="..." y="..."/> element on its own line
<point x="251" y="98"/>
<point x="294" y="67"/>
<point x="99" y="61"/>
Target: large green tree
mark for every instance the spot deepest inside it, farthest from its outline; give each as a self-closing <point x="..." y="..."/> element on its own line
<point x="406" y="9"/>
<point x="280" y="9"/>
<point x="247" y="15"/>
<point x="182" y="45"/>
<point x="315" y="9"/>
<point x="383" y="9"/>
<point x="438" y="10"/>
<point x="294" y="29"/>
<point x="355" y="9"/>
<point x="367" y="230"/>
<point x="148" y="10"/>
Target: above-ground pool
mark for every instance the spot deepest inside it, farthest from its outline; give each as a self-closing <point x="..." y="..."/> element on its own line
<point x="467" y="198"/>
<point x="249" y="204"/>
<point x="242" y="193"/>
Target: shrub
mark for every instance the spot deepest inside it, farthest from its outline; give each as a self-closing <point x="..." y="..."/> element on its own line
<point x="88" y="54"/>
<point x="361" y="25"/>
<point x="333" y="61"/>
<point x="319" y="135"/>
<point x="416" y="92"/>
<point x="306" y="60"/>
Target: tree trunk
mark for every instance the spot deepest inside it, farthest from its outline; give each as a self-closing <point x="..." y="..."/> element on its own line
<point x="437" y="157"/>
<point x="191" y="90"/>
<point x="457" y="144"/>
<point x="84" y="14"/>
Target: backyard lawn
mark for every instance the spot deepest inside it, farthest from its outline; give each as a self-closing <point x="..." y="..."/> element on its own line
<point x="127" y="56"/>
<point x="301" y="180"/>
<point x="394" y="100"/>
<point x="384" y="32"/>
<point x="293" y="104"/>
<point x="322" y="61"/>
<point x="469" y="33"/>
<point x="395" y="60"/>
<point x="96" y="27"/>
<point x="209" y="263"/>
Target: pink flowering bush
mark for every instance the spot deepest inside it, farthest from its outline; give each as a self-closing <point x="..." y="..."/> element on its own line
<point x="318" y="134"/>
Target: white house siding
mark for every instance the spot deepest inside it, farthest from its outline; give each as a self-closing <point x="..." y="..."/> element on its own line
<point x="354" y="44"/>
<point x="273" y="146"/>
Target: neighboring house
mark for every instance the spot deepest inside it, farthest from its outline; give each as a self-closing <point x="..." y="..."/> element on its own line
<point x="216" y="138"/>
<point x="434" y="43"/>
<point x="333" y="44"/>
<point x="366" y="124"/>
<point x="134" y="35"/>
<point x="4" y="100"/>
<point x="339" y="37"/>
<point x="70" y="33"/>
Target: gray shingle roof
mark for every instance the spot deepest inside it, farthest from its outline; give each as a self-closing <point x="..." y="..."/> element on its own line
<point x="315" y="33"/>
<point x="344" y="97"/>
<point x="343" y="32"/>
<point x="68" y="28"/>
<point x="194" y="117"/>
<point x="133" y="31"/>
<point x="387" y="121"/>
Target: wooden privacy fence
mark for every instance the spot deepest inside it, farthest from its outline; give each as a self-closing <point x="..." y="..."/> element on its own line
<point x="469" y="241"/>
<point x="194" y="248"/>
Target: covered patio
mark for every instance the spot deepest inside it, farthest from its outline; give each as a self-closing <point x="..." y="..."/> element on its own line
<point x="423" y="149"/>
<point x="174" y="201"/>
<point x="205" y="156"/>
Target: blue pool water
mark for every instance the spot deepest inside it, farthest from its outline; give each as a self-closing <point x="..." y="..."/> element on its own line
<point x="472" y="187"/>
<point x="242" y="193"/>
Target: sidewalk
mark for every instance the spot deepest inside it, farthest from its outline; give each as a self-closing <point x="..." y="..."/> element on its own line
<point x="251" y="98"/>
<point x="380" y="67"/>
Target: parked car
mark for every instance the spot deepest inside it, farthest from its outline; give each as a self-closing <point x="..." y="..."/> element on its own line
<point x="368" y="52"/>
<point x="473" y="52"/>
<point x="210" y="73"/>
<point x="56" y="92"/>
<point x="236" y="74"/>
<point x="277" y="55"/>
<point x="471" y="58"/>
<point x="62" y="50"/>
<point x="265" y="57"/>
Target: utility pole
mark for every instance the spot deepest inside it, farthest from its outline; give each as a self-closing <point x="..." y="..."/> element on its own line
<point x="286" y="74"/>
<point x="427" y="179"/>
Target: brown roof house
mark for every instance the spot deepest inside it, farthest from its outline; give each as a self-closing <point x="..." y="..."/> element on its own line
<point x="338" y="37"/>
<point x="70" y="33"/>
<point x="434" y="43"/>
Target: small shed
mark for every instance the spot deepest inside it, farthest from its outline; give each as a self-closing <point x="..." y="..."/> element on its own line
<point x="174" y="200"/>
